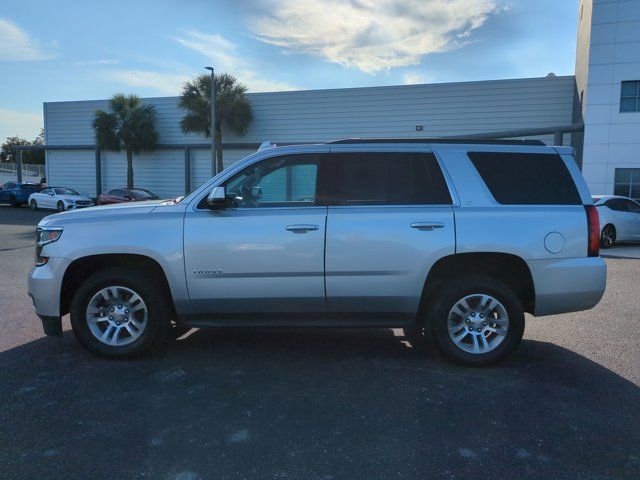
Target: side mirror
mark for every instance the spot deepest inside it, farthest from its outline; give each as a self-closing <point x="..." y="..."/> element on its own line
<point x="217" y="198"/>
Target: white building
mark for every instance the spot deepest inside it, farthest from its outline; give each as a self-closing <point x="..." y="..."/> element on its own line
<point x="301" y="116"/>
<point x="607" y="80"/>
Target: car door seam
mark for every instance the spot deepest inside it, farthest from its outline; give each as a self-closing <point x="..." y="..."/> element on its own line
<point x="324" y="257"/>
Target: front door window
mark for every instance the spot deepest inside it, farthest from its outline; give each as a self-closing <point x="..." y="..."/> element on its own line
<point x="288" y="181"/>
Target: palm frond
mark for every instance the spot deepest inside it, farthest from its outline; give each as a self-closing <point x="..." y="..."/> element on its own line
<point x="233" y="109"/>
<point x="105" y="126"/>
<point x="129" y="126"/>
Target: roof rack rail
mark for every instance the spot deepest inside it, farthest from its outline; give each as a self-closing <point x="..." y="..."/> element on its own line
<point x="481" y="141"/>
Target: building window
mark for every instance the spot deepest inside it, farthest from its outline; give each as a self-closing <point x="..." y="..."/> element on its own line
<point x="627" y="182"/>
<point x="630" y="96"/>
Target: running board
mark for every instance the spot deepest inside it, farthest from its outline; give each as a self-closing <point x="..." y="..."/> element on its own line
<point x="300" y="320"/>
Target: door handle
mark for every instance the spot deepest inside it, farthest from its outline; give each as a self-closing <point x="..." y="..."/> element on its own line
<point x="301" y="228"/>
<point x="428" y="226"/>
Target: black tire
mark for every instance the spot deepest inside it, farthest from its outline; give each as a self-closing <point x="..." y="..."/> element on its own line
<point x="608" y="236"/>
<point x="449" y="294"/>
<point x="158" y="328"/>
<point x="14" y="203"/>
<point x="60" y="206"/>
<point x="33" y="205"/>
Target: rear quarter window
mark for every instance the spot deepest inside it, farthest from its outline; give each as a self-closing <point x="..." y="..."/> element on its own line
<point x="526" y="178"/>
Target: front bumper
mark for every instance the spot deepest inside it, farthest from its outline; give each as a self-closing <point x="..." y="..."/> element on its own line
<point x="75" y="206"/>
<point x="568" y="285"/>
<point x="44" y="287"/>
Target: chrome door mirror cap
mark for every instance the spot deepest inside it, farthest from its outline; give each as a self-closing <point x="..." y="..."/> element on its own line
<point x="217" y="197"/>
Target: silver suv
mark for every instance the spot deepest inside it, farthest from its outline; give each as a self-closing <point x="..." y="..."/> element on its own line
<point x="447" y="239"/>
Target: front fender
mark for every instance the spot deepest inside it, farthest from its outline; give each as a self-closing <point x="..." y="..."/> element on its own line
<point x="157" y="235"/>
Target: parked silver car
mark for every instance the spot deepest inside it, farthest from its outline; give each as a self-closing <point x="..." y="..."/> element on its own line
<point x="451" y="238"/>
<point x="619" y="219"/>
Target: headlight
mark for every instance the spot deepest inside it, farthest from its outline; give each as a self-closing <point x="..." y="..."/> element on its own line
<point x="44" y="236"/>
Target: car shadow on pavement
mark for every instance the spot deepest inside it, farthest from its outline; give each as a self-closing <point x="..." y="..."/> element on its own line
<point x="309" y="404"/>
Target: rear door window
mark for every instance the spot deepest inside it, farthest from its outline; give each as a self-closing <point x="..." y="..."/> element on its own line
<point x="526" y="178"/>
<point x="382" y="179"/>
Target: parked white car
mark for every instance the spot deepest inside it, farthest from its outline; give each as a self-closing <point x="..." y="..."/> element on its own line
<point x="58" y="198"/>
<point x="619" y="219"/>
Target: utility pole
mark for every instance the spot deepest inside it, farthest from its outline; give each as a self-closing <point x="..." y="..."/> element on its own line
<point x="214" y="163"/>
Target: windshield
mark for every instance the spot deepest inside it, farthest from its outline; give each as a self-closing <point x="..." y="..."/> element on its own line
<point x="65" y="191"/>
<point x="29" y="186"/>
<point x="140" y="193"/>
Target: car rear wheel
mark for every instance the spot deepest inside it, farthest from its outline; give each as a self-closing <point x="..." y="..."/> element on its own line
<point x="60" y="206"/>
<point x="476" y="320"/>
<point x="14" y="202"/>
<point x="33" y="205"/>
<point x="120" y="313"/>
<point x="608" y="236"/>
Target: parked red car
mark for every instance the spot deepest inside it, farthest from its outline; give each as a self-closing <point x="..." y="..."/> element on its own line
<point x="122" y="195"/>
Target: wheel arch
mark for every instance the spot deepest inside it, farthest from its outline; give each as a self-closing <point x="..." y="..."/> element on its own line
<point x="82" y="267"/>
<point x="509" y="268"/>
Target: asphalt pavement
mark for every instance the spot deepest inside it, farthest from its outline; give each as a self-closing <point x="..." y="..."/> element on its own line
<point x="318" y="404"/>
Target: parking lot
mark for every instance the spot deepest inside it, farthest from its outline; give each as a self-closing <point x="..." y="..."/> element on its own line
<point x="306" y="404"/>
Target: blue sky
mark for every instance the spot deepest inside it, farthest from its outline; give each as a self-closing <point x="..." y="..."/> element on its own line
<point x="70" y="50"/>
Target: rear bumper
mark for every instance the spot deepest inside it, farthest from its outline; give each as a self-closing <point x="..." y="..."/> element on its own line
<point x="568" y="285"/>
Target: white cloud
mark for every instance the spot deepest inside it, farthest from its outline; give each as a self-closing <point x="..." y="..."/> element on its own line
<point x="226" y="57"/>
<point x="24" y="124"/>
<point x="98" y="62"/>
<point x="371" y="35"/>
<point x="412" y="78"/>
<point x="15" y="44"/>
<point x="162" y="82"/>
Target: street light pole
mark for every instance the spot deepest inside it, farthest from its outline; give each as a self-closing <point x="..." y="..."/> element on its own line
<point x="214" y="163"/>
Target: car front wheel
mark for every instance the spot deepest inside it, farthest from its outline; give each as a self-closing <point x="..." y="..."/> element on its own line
<point x="33" y="205"/>
<point x="117" y="313"/>
<point x="60" y="206"/>
<point x="476" y="320"/>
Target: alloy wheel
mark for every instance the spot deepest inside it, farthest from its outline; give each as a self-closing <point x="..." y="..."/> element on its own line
<point x="478" y="323"/>
<point x="117" y="316"/>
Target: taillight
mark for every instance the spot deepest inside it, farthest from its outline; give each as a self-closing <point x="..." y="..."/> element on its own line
<point x="593" y="228"/>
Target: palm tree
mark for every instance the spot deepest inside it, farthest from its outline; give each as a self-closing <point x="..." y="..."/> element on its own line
<point x="233" y="109"/>
<point x="130" y="126"/>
